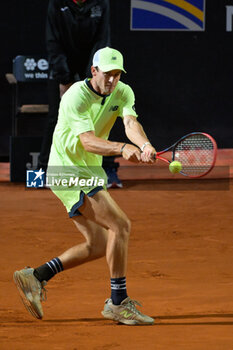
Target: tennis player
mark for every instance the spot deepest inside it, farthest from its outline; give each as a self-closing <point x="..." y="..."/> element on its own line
<point x="87" y="113"/>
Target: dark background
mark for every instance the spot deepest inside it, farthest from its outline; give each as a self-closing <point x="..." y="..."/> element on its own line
<point x="183" y="81"/>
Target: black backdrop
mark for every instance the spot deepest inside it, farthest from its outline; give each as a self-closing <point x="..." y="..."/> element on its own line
<point x="182" y="80"/>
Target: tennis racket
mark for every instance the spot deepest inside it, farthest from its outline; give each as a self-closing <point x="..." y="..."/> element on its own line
<point x="196" y="152"/>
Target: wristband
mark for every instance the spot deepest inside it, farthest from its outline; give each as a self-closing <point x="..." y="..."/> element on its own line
<point x="122" y="148"/>
<point x="144" y="145"/>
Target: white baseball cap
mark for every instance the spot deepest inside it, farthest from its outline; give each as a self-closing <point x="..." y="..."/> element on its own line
<point x="108" y="59"/>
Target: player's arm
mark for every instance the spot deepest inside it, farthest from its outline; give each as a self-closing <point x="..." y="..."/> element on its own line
<point x="135" y="133"/>
<point x="94" y="144"/>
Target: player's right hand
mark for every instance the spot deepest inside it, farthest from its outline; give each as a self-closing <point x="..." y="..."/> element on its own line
<point x="149" y="154"/>
<point x="131" y="153"/>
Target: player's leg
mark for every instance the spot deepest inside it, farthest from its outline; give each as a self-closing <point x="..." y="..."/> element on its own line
<point x="100" y="210"/>
<point x="30" y="282"/>
<point x="106" y="229"/>
<point x="103" y="210"/>
<point x="93" y="248"/>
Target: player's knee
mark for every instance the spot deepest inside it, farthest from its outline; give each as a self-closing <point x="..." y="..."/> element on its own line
<point x="123" y="227"/>
<point x="89" y="248"/>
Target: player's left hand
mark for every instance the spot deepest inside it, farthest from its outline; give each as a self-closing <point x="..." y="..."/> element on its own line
<point x="148" y="154"/>
<point x="131" y="153"/>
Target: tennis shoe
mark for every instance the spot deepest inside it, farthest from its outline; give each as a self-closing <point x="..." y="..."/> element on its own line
<point x="126" y="313"/>
<point x="113" y="179"/>
<point x="31" y="290"/>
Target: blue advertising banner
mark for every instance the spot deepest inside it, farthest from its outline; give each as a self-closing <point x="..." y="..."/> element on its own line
<point x="170" y="15"/>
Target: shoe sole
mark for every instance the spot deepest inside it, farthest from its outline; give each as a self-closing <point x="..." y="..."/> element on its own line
<point x="111" y="316"/>
<point x="27" y="303"/>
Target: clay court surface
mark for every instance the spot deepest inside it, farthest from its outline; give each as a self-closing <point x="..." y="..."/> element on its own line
<point x="180" y="268"/>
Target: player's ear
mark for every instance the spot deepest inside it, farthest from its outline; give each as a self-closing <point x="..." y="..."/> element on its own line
<point x="93" y="71"/>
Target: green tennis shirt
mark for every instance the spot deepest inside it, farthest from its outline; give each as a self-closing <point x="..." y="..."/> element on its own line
<point x="82" y="109"/>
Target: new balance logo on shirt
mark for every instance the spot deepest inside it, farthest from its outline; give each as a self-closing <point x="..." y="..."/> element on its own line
<point x="113" y="108"/>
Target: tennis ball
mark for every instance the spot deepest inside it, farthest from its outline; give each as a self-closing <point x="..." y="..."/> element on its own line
<point x="175" y="167"/>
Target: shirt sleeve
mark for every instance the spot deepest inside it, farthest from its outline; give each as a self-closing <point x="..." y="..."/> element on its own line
<point x="75" y="113"/>
<point x="128" y="103"/>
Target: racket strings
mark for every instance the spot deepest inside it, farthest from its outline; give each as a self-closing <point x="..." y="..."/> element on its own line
<point x="196" y="154"/>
